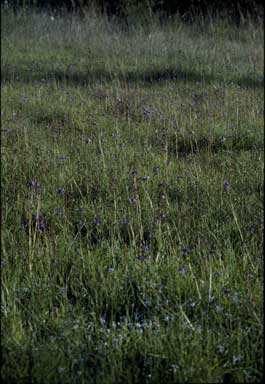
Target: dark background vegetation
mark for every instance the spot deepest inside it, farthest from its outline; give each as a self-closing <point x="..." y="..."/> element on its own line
<point x="235" y="9"/>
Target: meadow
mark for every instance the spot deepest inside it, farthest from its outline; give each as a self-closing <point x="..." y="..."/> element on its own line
<point x="132" y="200"/>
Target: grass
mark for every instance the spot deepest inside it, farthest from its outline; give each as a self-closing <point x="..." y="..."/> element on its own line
<point x="132" y="200"/>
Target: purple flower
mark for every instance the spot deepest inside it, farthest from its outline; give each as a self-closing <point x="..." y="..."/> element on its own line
<point x="62" y="158"/>
<point x="226" y="291"/>
<point x="227" y="185"/>
<point x="58" y="212"/>
<point x="61" y="191"/>
<point x="182" y="270"/>
<point x="97" y="221"/>
<point x="34" y="185"/>
<point x="143" y="257"/>
<point x="251" y="229"/>
<point x="185" y="250"/>
<point x="40" y="223"/>
<point x="132" y="201"/>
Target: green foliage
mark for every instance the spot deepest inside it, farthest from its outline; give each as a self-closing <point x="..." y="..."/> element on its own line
<point x="132" y="200"/>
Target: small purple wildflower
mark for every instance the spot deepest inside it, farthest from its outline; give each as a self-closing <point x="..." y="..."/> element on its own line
<point x="61" y="191"/>
<point x="97" y="221"/>
<point x="226" y="292"/>
<point x="41" y="227"/>
<point x="40" y="224"/>
<point x="34" y="185"/>
<point x="182" y="270"/>
<point x="143" y="257"/>
<point x="58" y="212"/>
<point x="39" y="221"/>
<point x="227" y="185"/>
<point x="185" y="251"/>
<point x="251" y="229"/>
<point x="63" y="158"/>
<point x="132" y="201"/>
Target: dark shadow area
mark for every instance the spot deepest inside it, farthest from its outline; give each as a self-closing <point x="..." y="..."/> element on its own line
<point x="187" y="146"/>
<point x="13" y="73"/>
<point x="181" y="146"/>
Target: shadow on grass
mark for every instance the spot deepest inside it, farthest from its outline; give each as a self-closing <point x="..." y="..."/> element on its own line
<point x="101" y="75"/>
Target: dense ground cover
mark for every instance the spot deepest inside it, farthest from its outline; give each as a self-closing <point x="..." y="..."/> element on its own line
<point x="132" y="201"/>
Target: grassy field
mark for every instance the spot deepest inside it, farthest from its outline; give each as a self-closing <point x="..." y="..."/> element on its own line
<point x="132" y="200"/>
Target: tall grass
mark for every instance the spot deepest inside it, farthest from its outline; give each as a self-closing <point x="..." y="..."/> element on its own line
<point x="132" y="200"/>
